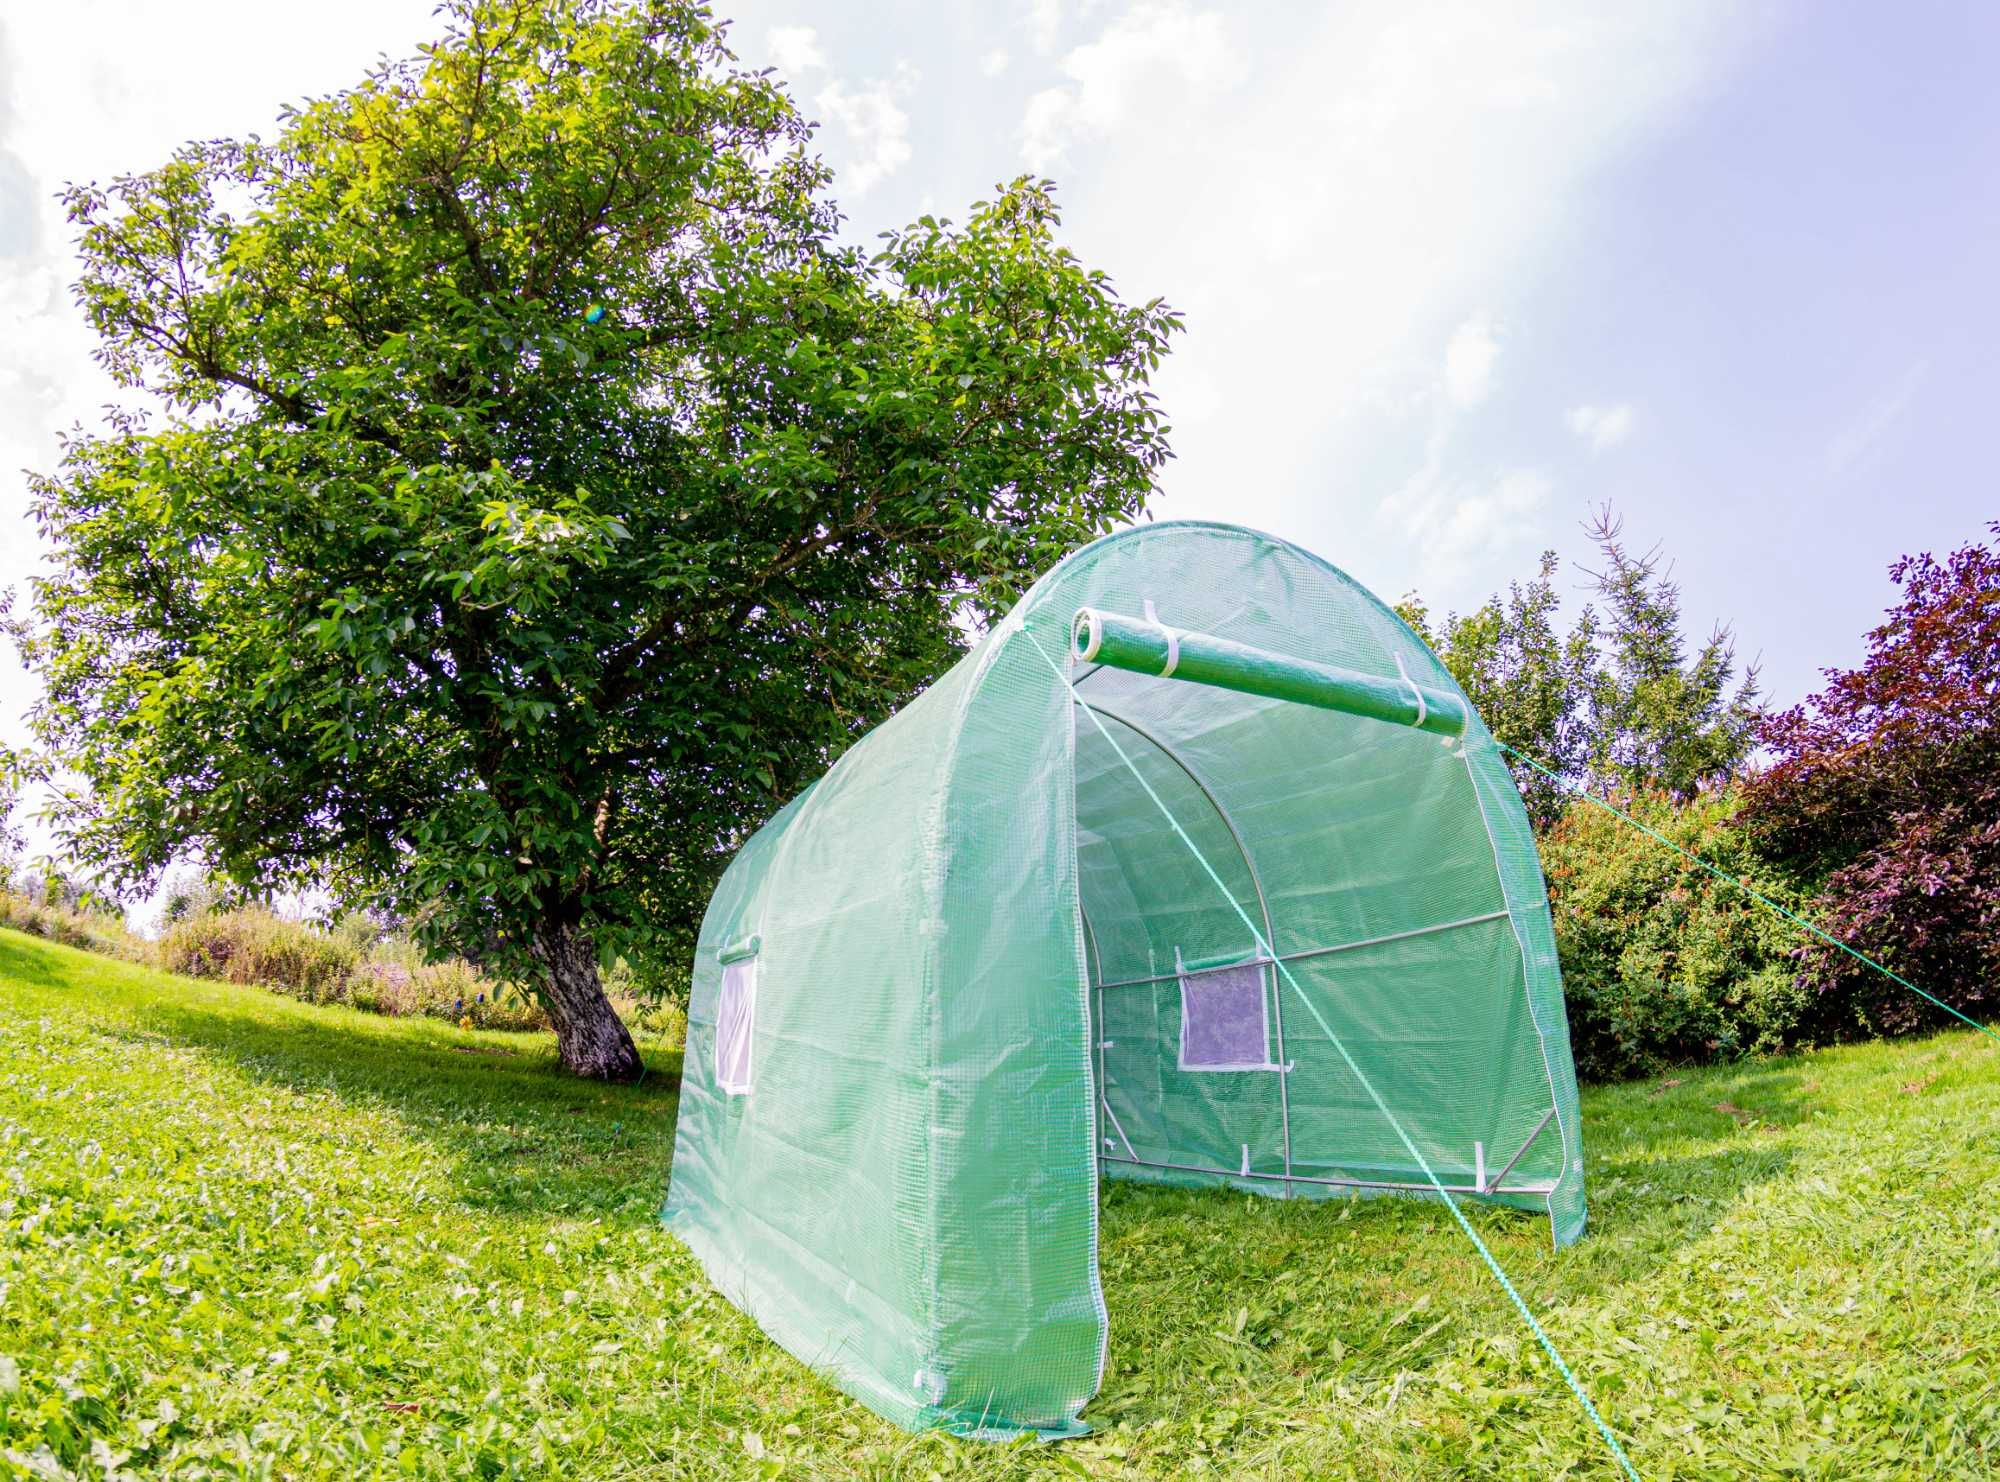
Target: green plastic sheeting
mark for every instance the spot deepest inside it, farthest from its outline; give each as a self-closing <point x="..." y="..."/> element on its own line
<point x="975" y="969"/>
<point x="1199" y="658"/>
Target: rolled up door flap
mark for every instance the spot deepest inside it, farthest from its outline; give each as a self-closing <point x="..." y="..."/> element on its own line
<point x="1150" y="648"/>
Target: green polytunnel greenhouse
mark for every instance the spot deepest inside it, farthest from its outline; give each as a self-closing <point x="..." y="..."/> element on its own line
<point x="1198" y="870"/>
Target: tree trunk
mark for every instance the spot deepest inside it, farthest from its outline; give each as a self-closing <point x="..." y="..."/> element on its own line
<point x="590" y="1037"/>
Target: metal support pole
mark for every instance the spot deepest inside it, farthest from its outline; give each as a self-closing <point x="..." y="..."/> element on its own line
<point x="1311" y="952"/>
<point x="1263" y="908"/>
<point x="1517" y="1152"/>
<point x="1338" y="1183"/>
<point x="1097" y="1024"/>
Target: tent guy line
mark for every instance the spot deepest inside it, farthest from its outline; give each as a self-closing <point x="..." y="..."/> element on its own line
<point x="1436" y="1184"/>
<point x="1578" y="791"/>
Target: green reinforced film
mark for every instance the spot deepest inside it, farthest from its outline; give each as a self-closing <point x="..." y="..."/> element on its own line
<point x="984" y="963"/>
<point x="1200" y="658"/>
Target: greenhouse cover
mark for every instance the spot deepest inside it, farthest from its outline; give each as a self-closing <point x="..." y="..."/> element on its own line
<point x="1021" y="938"/>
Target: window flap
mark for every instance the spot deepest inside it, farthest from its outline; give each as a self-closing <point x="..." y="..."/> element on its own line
<point x="1225" y="1018"/>
<point x="735" y="1025"/>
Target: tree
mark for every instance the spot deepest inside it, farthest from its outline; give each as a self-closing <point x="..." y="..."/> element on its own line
<point x="1531" y="684"/>
<point x="1616" y="702"/>
<point x="1659" y="718"/>
<point x="1884" y="790"/>
<point x="537" y="492"/>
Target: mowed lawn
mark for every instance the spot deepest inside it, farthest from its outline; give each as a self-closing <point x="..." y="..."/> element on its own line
<point x="244" y="1237"/>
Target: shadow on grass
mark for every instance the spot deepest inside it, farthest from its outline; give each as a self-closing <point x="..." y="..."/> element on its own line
<point x="522" y="1135"/>
<point x="1318" y="1284"/>
<point x="1668" y="1158"/>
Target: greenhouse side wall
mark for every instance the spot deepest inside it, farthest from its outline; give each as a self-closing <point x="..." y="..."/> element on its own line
<point x="809" y="1198"/>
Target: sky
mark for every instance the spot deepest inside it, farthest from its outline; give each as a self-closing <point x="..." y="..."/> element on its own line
<point x="1454" y="274"/>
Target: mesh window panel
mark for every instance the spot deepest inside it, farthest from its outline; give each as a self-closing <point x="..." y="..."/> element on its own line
<point x="1225" y="1020"/>
<point x="735" y="1021"/>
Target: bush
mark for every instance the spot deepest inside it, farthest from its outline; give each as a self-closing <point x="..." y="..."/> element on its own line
<point x="187" y="893"/>
<point x="1885" y="790"/>
<point x="93" y="931"/>
<point x="253" y="945"/>
<point x="452" y="990"/>
<point x="358" y="962"/>
<point x="1662" y="963"/>
<point x="661" y="1019"/>
<point x="653" y="1004"/>
<point x="351" y="964"/>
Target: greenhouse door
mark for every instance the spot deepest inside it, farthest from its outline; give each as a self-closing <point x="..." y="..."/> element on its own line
<point x="1187" y="1026"/>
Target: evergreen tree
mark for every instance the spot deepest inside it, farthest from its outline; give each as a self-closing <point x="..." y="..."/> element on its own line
<point x="1616" y="702"/>
<point x="1658" y="718"/>
<point x="1531" y="683"/>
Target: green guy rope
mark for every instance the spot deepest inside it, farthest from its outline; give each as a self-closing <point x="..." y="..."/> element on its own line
<point x="1575" y="790"/>
<point x="1269" y="950"/>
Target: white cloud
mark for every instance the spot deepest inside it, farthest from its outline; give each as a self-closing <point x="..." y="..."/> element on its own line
<point x="1152" y="53"/>
<point x="994" y="62"/>
<point x="1854" y="442"/>
<point x="1446" y="525"/>
<point x="1046" y="127"/>
<point x="1326" y="193"/>
<point x="796" y="49"/>
<point x="873" y="131"/>
<point x="1601" y="427"/>
<point x="876" y="129"/>
<point x="1469" y="361"/>
<point x="1044" y="24"/>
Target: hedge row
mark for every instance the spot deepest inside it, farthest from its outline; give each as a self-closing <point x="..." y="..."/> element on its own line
<point x="257" y="947"/>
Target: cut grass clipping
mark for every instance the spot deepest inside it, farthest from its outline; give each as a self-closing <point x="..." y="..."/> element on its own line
<point x="240" y="1235"/>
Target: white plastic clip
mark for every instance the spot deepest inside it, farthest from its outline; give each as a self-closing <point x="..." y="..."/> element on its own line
<point x="1246" y="1160"/>
<point x="1422" y="709"/>
<point x="1173" y="640"/>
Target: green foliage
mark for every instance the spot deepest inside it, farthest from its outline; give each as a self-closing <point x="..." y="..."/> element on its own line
<point x="453" y="990"/>
<point x="253" y="945"/>
<point x="357" y="962"/>
<point x="350" y="964"/>
<point x="506" y="615"/>
<point x="1660" y="716"/>
<point x="1663" y="964"/>
<point x="1531" y="684"/>
<point x="245" y="1236"/>
<point x="94" y="930"/>
<point x="1615" y="702"/>
<point x="188" y="893"/>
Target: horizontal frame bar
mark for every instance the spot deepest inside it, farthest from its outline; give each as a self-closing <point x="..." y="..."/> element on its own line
<point x="1339" y="1183"/>
<point x="1394" y="936"/>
